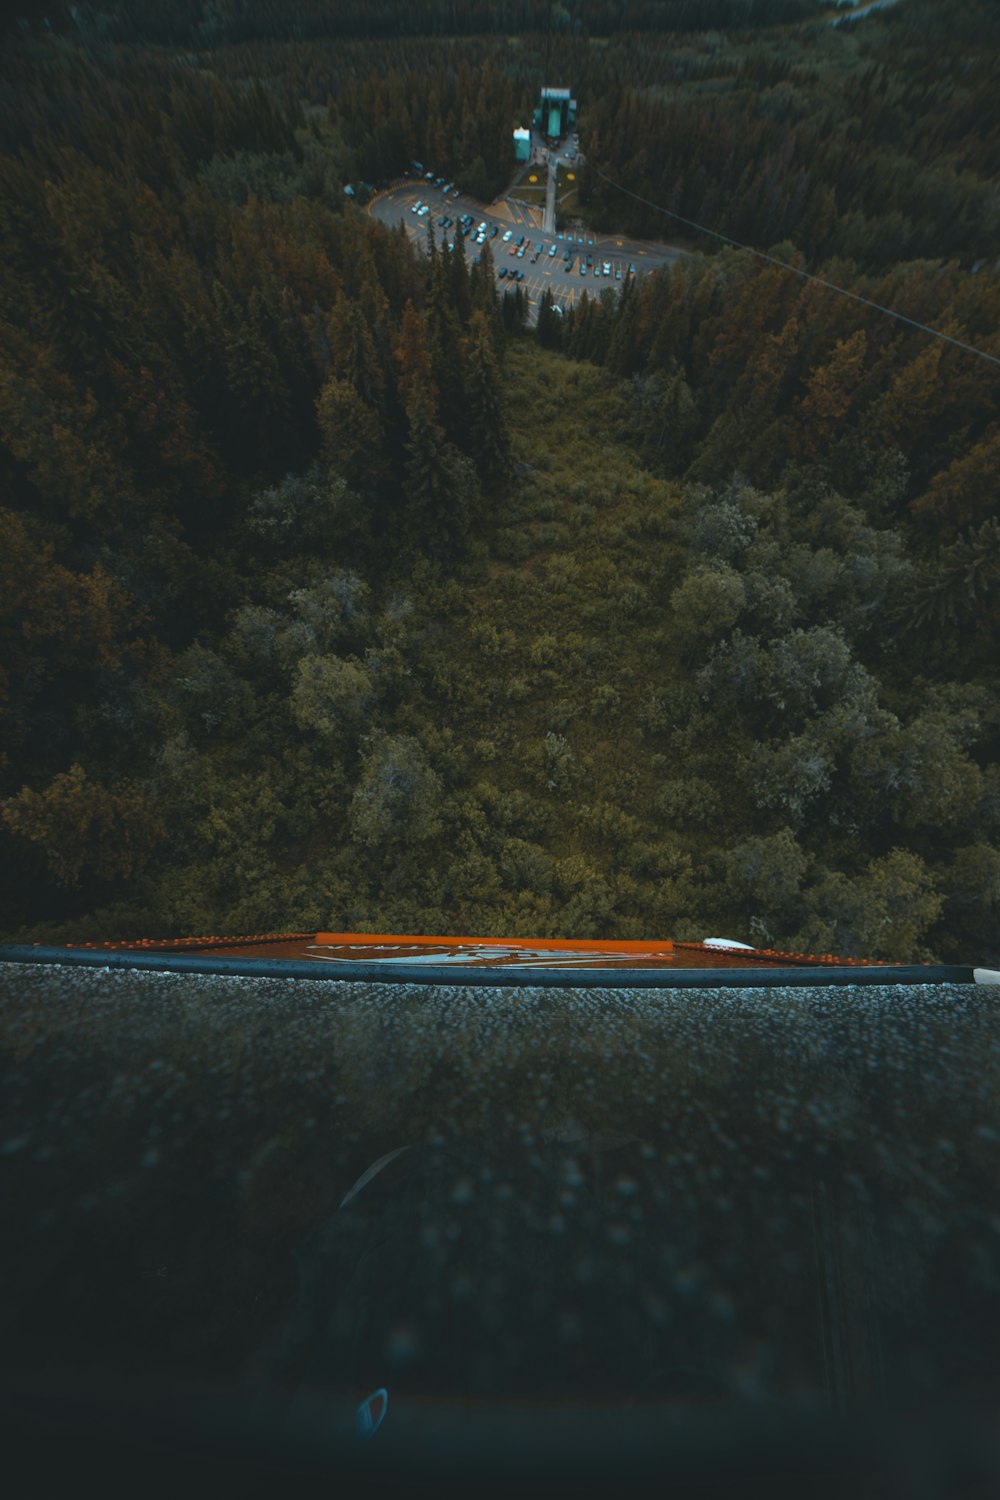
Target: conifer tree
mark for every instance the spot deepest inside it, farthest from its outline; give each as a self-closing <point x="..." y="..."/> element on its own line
<point x="831" y="390"/>
<point x="623" y="356"/>
<point x="444" y="342"/>
<point x="256" y="415"/>
<point x="548" y="328"/>
<point x="413" y="358"/>
<point x="460" y="281"/>
<point x="965" y="492"/>
<point x="489" y="435"/>
<point x="352" y="352"/>
<point x="440" y="490"/>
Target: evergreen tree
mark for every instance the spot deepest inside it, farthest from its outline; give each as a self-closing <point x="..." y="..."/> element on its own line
<point x="413" y="358"/>
<point x="444" y="343"/>
<point x="623" y="353"/>
<point x="831" y="391"/>
<point x="440" y="490"/>
<point x="352" y="435"/>
<point x="549" y="326"/>
<point x="460" y="288"/>
<point x="352" y="351"/>
<point x="966" y="491"/>
<point x="514" y="307"/>
<point x="488" y="432"/>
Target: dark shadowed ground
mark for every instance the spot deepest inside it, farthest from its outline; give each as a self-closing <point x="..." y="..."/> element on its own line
<point x="772" y="1209"/>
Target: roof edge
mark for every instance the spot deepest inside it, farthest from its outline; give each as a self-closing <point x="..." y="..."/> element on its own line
<point x="522" y="977"/>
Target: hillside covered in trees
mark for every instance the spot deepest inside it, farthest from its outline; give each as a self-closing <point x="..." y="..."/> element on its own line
<point x="333" y="594"/>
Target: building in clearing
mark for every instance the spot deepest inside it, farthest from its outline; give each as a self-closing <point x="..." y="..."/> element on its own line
<point x="522" y="145"/>
<point x="556" y="114"/>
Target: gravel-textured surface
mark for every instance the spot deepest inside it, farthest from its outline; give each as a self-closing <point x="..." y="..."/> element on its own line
<point x="688" y="1196"/>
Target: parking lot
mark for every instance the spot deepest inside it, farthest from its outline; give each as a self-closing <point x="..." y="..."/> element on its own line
<point x="565" y="264"/>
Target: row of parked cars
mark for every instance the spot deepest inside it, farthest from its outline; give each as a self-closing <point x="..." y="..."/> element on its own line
<point x="448" y="188"/>
<point x="479" y="234"/>
<point x="603" y="267"/>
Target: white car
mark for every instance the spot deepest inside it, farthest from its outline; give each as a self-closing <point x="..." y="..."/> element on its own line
<point x="552" y="252"/>
<point x="425" y="210"/>
<point x="416" y="207"/>
<point x="508" y="236"/>
<point x="607" y="268"/>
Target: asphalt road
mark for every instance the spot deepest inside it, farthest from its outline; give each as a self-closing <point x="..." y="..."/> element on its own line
<point x="548" y="272"/>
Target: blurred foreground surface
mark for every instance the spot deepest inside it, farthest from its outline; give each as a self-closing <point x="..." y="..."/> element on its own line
<point x="715" y="1234"/>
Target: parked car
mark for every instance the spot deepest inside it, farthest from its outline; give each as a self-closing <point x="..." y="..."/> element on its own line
<point x="631" y="268"/>
<point x="508" y="236"/>
<point x="519" y="275"/>
<point x="416" y="207"/>
<point x="618" y="273"/>
<point x="583" y="269"/>
<point x="503" y="272"/>
<point x="552" y="252"/>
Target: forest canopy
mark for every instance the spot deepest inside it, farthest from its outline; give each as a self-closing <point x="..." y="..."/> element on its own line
<point x="337" y="590"/>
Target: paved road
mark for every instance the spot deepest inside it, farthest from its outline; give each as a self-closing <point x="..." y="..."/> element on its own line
<point x="549" y="222"/>
<point x="394" y="205"/>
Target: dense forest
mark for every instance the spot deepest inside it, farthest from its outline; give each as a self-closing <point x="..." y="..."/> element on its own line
<point x="336" y="591"/>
